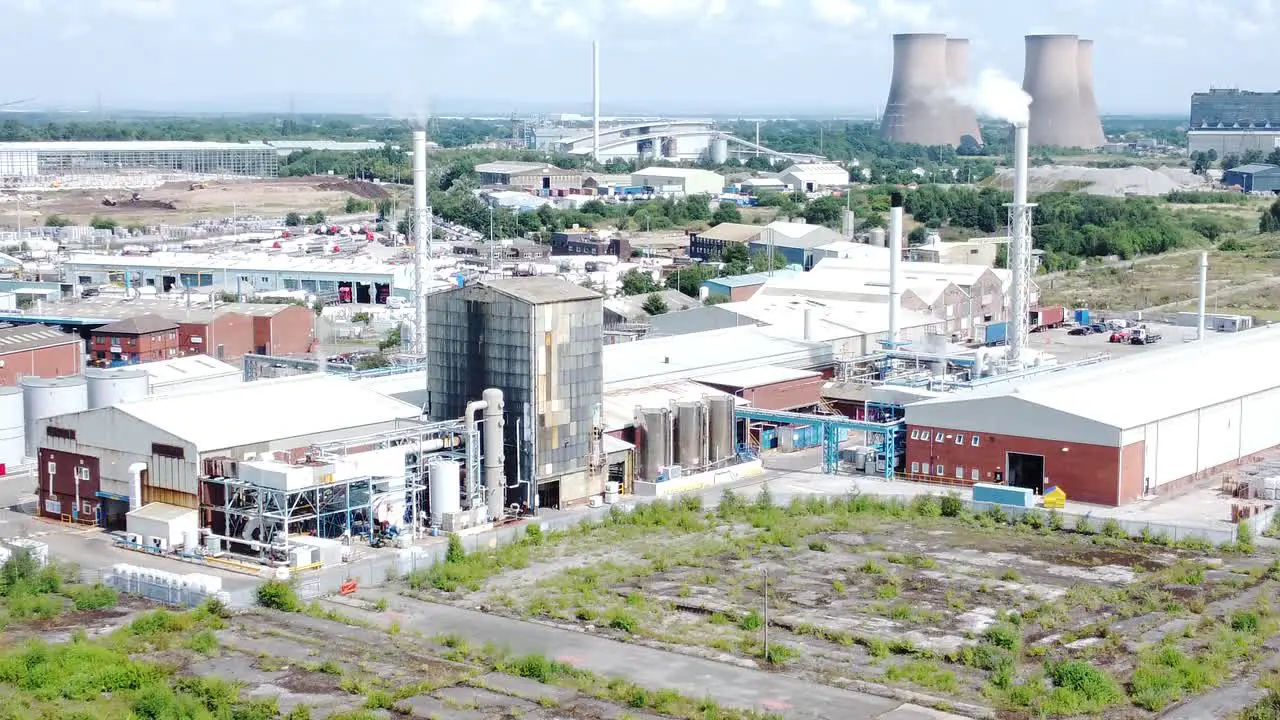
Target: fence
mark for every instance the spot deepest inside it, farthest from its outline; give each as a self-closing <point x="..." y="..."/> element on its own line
<point x="166" y="592"/>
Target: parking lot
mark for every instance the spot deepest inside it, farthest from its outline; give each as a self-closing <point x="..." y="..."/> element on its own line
<point x="1069" y="348"/>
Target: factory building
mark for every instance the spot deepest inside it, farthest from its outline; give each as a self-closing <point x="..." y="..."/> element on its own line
<point x="736" y="288"/>
<point x="528" y="175"/>
<point x="1233" y="121"/>
<point x="43" y="352"/>
<point x="1081" y="429"/>
<point x="815" y="177"/>
<point x="50" y="161"/>
<point x="708" y="245"/>
<point x="591" y="243"/>
<point x="93" y="462"/>
<point x="539" y="341"/>
<point x="679" y="181"/>
<point x="794" y="241"/>
<point x="144" y="338"/>
<point x="1253" y="178"/>
<point x="333" y="278"/>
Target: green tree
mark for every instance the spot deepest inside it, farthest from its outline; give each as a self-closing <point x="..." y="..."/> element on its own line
<point x="316" y="218"/>
<point x="760" y="262"/>
<point x="694" y="207"/>
<point x="373" y="362"/>
<point x="918" y="235"/>
<point x="635" y="282"/>
<point x="824" y="211"/>
<point x="689" y="279"/>
<point x="1200" y="163"/>
<point x="655" y="304"/>
<point x="101" y="223"/>
<point x="392" y="339"/>
<point x="356" y="205"/>
<point x="1230" y="160"/>
<point x="292" y="219"/>
<point x="727" y="212"/>
<point x="1273" y="158"/>
<point x="56" y="221"/>
<point x="1270" y="221"/>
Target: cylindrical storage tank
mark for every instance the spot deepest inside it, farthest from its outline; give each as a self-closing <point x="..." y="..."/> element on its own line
<point x="445" y="488"/>
<point x="657" y="442"/>
<point x="720" y="411"/>
<point x="719" y="150"/>
<point x="108" y="387"/>
<point x="689" y="435"/>
<point x="49" y="397"/>
<point x="876" y="236"/>
<point x="12" y="429"/>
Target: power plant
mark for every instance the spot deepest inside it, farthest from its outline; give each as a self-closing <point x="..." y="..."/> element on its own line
<point x="927" y="68"/>
<point x="1059" y="78"/>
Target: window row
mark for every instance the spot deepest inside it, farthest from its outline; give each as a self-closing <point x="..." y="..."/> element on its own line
<point x="940" y="436"/>
<point x="941" y="471"/>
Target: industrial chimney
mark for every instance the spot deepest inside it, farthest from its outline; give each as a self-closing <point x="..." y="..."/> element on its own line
<point x="965" y="118"/>
<point x="918" y="110"/>
<point x="1090" y="122"/>
<point x="421" y="243"/>
<point x="1052" y="80"/>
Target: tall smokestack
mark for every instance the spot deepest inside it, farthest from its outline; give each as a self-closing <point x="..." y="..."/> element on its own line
<point x="1052" y="80"/>
<point x="895" y="269"/>
<point x="595" y="101"/>
<point x="1019" y="248"/>
<point x="1090" y="122"/>
<point x="917" y="110"/>
<point x="421" y="243"/>
<point x="965" y="119"/>
<point x="1204" y="287"/>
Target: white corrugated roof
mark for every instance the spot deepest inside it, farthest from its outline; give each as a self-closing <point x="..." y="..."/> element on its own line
<point x="758" y="376"/>
<point x="249" y="262"/>
<point x="267" y="410"/>
<point x="161" y="512"/>
<point x="1161" y="383"/>
<point x="836" y="319"/>
<point x="680" y="357"/>
<point x="674" y="172"/>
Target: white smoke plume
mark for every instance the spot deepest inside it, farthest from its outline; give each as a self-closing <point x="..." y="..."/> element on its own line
<point x="996" y="95"/>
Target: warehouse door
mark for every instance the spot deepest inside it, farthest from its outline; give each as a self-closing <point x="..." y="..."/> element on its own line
<point x="1026" y="471"/>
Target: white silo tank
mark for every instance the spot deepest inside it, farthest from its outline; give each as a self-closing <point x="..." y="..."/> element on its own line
<point x="876" y="237"/>
<point x="44" y="398"/>
<point x="12" y="428"/>
<point x="108" y="387"/>
<point x="445" y="491"/>
<point x="719" y="150"/>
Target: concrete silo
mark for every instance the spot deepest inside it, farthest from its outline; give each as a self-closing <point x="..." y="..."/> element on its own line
<point x="1052" y="80"/>
<point x="918" y="110"/>
<point x="1090" y="122"/>
<point x="965" y="118"/>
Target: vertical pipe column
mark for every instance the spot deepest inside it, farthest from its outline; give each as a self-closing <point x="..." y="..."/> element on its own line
<point x="422" y="242"/>
<point x="494" y="453"/>
<point x="895" y="268"/>
<point x="595" y="101"/>
<point x="1019" y="249"/>
<point x="1204" y="287"/>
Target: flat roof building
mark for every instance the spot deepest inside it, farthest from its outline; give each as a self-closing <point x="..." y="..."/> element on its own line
<point x="679" y="181"/>
<point x="54" y="159"/>
<point x="528" y="175"/>
<point x="38" y="351"/>
<point x="1258" y="178"/>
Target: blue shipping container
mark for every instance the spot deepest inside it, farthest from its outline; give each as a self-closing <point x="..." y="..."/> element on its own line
<point x="1082" y="317"/>
<point x="1004" y="495"/>
<point x="997" y="333"/>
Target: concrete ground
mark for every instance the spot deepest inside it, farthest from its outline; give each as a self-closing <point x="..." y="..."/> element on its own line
<point x="1069" y="348"/>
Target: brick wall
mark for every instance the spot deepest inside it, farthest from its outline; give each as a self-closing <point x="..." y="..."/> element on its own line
<point x="65" y="487"/>
<point x="147" y="347"/>
<point x="1087" y="473"/>
<point x="289" y="331"/>
<point x="46" y="362"/>
<point x="232" y="331"/>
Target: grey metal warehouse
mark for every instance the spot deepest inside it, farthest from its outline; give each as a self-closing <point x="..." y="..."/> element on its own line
<point x="1253" y="178"/>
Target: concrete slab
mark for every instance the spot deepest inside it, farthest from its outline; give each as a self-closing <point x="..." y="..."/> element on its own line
<point x="479" y="698"/>
<point x="525" y="688"/>
<point x="915" y="712"/>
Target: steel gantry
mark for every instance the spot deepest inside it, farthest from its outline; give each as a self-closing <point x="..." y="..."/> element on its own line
<point x="882" y="435"/>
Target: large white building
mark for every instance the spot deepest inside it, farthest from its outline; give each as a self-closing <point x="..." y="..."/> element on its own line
<point x="27" y="162"/>
<point x="1111" y="432"/>
<point x="679" y="181"/>
<point x="815" y="177"/>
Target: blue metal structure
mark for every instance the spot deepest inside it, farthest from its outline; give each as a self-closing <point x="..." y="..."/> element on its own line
<point x="830" y="427"/>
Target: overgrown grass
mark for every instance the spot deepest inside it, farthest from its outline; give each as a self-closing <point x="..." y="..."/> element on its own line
<point x="925" y="673"/>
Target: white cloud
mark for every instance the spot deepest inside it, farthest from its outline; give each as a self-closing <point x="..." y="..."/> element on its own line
<point x="837" y="12"/>
<point x="771" y="4"/>
<point x="456" y="16"/>
<point x="916" y="15"/>
<point x="139" y="8"/>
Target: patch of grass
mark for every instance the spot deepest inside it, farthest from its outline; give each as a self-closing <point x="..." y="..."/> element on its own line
<point x="1003" y="635"/>
<point x="871" y="567"/>
<point x="838" y="587"/>
<point x="819" y="546"/>
<point x="780" y="653"/>
<point x="1010" y="575"/>
<point x="93" y="597"/>
<point x="924" y="673"/>
<point x="203" y="642"/>
<point x="751" y="621"/>
<point x="623" y="620"/>
<point x="1112" y="529"/>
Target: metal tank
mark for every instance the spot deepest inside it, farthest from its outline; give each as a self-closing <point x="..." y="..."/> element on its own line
<point x="719" y="150"/>
<point x="656" y="424"/>
<point x="876" y="237"/>
<point x="49" y="397"/>
<point x="917" y="110"/>
<point x="445" y="488"/>
<point x="720" y="412"/>
<point x="12" y="430"/>
<point x="689" y="435"/>
<point x="1051" y="78"/>
<point x="108" y="387"/>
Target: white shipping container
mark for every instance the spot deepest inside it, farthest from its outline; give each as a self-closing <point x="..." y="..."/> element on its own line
<point x="168" y="522"/>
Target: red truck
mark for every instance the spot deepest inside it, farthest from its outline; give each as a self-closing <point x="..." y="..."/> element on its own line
<point x="1046" y="317"/>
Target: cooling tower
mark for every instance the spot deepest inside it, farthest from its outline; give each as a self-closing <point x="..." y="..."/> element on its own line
<point x="918" y="110"/>
<point x="965" y="121"/>
<point x="1090" y="123"/>
<point x="1052" y="80"/>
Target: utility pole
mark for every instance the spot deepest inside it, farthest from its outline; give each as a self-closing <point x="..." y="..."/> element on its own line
<point x="766" y="614"/>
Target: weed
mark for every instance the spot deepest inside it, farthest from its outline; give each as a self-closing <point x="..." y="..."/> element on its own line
<point x="871" y="567"/>
<point x="838" y="587"/>
<point x="951" y="505"/>
<point x="751" y="621"/>
<point x="1084" y="525"/>
<point x="926" y="506"/>
<point x="1033" y="519"/>
<point x="380" y="605"/>
<point x="279" y="595"/>
<point x="780" y="653"/>
<point x="924" y="673"/>
<point x="94" y="597"/>
<point x="1003" y="635"/>
<point x="203" y="642"/>
<point x="1112" y="529"/>
<point x="819" y="545"/>
<point x="620" y="619"/>
<point x="1244" y="622"/>
<point x="887" y="591"/>
<point x="1010" y="575"/>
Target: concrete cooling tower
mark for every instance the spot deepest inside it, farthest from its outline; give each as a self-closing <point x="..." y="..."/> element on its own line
<point x="1059" y="116"/>
<point x="1090" y="122"/>
<point x="964" y="118"/>
<point x="918" y="110"/>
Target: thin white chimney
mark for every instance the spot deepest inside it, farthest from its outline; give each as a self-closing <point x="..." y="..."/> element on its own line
<point x="422" y="242"/>
<point x="895" y="268"/>
<point x="1204" y="288"/>
<point x="1019" y="249"/>
<point x="595" y="101"/>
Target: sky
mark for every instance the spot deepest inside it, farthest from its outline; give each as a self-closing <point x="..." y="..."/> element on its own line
<point x="723" y="57"/>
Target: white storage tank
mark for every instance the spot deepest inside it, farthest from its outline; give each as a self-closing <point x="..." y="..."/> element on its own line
<point x="44" y="398"/>
<point x="110" y="386"/>
<point x="12" y="428"/>
<point x="445" y="490"/>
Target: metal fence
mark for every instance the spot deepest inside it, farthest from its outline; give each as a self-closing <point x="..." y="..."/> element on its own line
<point x="172" y="594"/>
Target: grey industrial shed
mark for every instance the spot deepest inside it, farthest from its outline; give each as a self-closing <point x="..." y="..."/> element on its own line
<point x="1254" y="178"/>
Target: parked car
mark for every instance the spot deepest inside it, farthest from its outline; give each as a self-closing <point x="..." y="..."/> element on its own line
<point x="1119" y="336"/>
<point x="1082" y="330"/>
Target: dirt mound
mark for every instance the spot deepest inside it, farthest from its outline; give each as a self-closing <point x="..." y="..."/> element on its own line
<point x="359" y="188"/>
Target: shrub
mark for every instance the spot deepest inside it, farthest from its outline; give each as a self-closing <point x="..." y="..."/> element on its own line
<point x="951" y="505"/>
<point x="779" y="653"/>
<point x="279" y="595"/>
<point x="1033" y="519"/>
<point x="533" y="534"/>
<point x="1093" y="688"/>
<point x="95" y="597"/>
<point x="1245" y="622"/>
<point x="456" y="552"/>
<point x="926" y="506"/>
<point x="1003" y="635"/>
<point x="819" y="545"/>
<point x="1084" y="525"/>
<point x="751" y="621"/>
<point x="1111" y="528"/>
<point x="997" y="515"/>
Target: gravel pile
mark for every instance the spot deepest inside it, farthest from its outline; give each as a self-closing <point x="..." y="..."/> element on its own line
<point x="1114" y="182"/>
